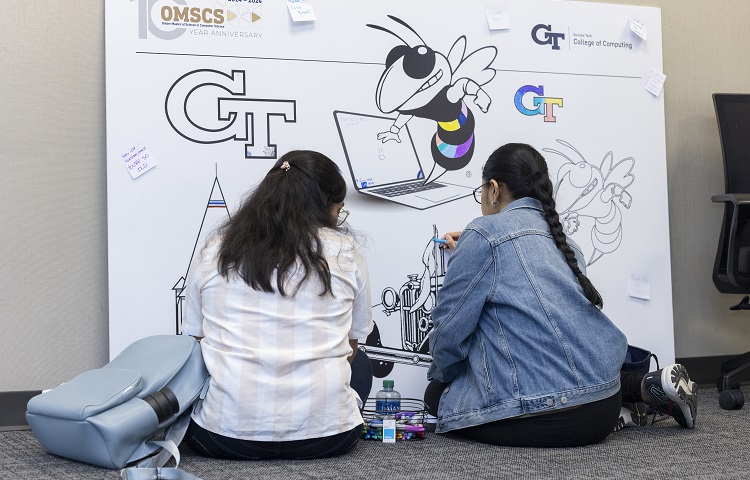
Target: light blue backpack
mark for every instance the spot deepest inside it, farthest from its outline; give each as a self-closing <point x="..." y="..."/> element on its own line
<point x="111" y="416"/>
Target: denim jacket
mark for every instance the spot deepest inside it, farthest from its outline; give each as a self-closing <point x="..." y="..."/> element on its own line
<point x="513" y="331"/>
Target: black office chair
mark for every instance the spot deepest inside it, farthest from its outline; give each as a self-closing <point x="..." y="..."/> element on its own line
<point x="731" y="272"/>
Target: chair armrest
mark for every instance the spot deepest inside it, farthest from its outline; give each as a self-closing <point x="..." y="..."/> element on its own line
<point x="734" y="202"/>
<point x="735" y="198"/>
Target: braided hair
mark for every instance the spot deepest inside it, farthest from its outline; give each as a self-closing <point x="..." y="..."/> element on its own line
<point x="524" y="172"/>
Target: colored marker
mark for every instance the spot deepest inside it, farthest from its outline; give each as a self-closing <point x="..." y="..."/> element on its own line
<point x="439" y="240"/>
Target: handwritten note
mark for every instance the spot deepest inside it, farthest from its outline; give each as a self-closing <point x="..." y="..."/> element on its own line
<point x="137" y="160"/>
<point x="639" y="28"/>
<point x="654" y="81"/>
<point x="497" y="19"/>
<point x="301" y="10"/>
<point x="639" y="286"/>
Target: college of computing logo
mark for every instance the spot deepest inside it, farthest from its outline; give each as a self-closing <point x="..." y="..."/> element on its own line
<point x="543" y="35"/>
<point x="171" y="19"/>
<point x="544" y="105"/>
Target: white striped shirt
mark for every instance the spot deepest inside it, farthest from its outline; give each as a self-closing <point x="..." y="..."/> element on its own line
<point x="278" y="364"/>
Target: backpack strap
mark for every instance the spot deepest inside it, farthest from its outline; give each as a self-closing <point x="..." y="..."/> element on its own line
<point x="158" y="474"/>
<point x="151" y="467"/>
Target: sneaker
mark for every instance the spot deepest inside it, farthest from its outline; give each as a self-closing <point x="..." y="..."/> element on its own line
<point x="632" y="415"/>
<point x="674" y="394"/>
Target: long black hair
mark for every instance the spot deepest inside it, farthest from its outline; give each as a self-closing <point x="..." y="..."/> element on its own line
<point x="277" y="225"/>
<point x="524" y="172"/>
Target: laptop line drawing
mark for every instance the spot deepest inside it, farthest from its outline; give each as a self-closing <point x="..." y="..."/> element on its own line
<point x="392" y="170"/>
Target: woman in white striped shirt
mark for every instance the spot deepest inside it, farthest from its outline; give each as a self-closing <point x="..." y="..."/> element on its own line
<point x="280" y="298"/>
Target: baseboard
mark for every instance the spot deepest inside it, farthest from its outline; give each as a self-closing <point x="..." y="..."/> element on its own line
<point x="705" y="371"/>
<point x="13" y="409"/>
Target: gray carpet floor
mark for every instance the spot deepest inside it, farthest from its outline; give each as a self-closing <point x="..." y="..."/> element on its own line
<point x="718" y="448"/>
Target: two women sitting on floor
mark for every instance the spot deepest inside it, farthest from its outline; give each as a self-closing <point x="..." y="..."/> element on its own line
<point x="522" y="353"/>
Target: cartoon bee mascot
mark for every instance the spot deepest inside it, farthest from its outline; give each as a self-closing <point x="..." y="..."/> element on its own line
<point x="420" y="82"/>
<point x="593" y="191"/>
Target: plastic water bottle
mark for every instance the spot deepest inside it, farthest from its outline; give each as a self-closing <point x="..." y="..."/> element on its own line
<point x="387" y="401"/>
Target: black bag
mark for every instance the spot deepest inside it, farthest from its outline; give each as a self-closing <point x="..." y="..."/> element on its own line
<point x="638" y="360"/>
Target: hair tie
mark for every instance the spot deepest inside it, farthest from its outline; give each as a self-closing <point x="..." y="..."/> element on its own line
<point x="285" y="166"/>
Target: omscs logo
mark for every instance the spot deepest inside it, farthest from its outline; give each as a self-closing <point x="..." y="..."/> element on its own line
<point x="169" y="19"/>
<point x="192" y="15"/>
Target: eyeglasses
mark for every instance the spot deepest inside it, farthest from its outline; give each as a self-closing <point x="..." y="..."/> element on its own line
<point x="343" y="215"/>
<point x="478" y="192"/>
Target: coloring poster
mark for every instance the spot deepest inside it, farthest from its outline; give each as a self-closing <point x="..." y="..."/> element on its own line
<point x="409" y="98"/>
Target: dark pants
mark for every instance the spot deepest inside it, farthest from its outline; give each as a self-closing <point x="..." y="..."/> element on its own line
<point x="573" y="427"/>
<point x="210" y="444"/>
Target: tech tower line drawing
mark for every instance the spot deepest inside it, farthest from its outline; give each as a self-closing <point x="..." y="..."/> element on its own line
<point x="215" y="214"/>
<point x="590" y="196"/>
<point x="391" y="171"/>
<point x="419" y="81"/>
<point x="414" y="302"/>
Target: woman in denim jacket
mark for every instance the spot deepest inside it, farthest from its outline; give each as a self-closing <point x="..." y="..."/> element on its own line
<point x="522" y="353"/>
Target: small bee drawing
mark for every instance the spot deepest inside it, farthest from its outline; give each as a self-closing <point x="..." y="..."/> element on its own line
<point x="421" y="82"/>
<point x="595" y="191"/>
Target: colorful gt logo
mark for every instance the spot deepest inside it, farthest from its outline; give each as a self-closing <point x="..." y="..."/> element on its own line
<point x="544" y="105"/>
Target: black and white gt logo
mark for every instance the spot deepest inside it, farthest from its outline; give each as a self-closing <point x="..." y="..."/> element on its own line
<point x="209" y="106"/>
<point x="550" y="37"/>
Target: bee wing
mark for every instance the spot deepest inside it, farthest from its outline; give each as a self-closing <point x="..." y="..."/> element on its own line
<point x="477" y="66"/>
<point x="620" y="173"/>
<point x="456" y="53"/>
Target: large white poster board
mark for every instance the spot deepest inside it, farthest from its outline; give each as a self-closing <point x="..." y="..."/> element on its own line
<point x="204" y="95"/>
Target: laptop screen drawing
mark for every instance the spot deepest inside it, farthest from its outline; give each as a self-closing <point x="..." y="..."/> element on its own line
<point x="374" y="164"/>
